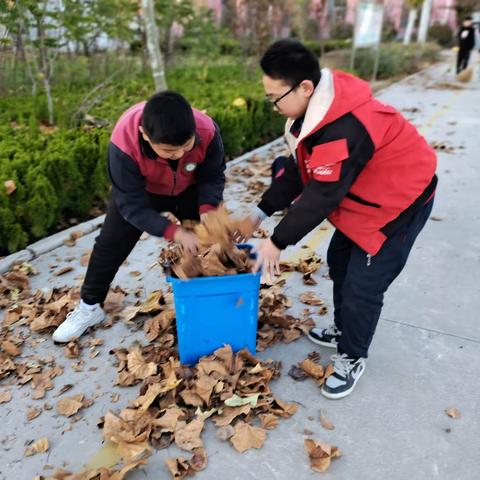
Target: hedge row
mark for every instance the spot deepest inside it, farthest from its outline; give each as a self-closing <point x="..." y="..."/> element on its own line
<point x="60" y="173"/>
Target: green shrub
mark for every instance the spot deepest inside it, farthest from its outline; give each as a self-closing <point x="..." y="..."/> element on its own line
<point x="342" y="31"/>
<point x="328" y="45"/>
<point x="395" y="59"/>
<point x="442" y="34"/>
<point x="61" y="173"/>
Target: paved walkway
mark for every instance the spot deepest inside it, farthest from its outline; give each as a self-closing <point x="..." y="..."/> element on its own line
<point x="423" y="359"/>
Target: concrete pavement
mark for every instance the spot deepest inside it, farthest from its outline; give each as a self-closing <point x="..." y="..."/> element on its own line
<point x="422" y="359"/>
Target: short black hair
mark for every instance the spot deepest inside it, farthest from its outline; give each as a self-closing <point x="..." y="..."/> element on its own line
<point x="469" y="17"/>
<point x="168" y="118"/>
<point x="290" y="61"/>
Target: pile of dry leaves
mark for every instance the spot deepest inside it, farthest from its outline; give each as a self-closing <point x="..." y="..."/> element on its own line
<point x="175" y="401"/>
<point x="218" y="254"/>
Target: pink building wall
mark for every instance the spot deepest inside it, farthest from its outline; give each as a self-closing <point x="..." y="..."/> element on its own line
<point x="396" y="11"/>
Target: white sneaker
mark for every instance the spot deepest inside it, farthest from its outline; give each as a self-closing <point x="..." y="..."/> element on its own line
<point x="78" y="321"/>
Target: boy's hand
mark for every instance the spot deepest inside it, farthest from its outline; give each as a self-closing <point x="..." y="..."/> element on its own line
<point x="188" y="241"/>
<point x="268" y="256"/>
<point x="246" y="227"/>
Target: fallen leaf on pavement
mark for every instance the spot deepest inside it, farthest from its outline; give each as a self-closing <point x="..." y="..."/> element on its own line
<point x="321" y="454"/>
<point x="310" y="298"/>
<point x="187" y="435"/>
<point x="269" y="421"/>
<point x="312" y="369"/>
<point x="453" y="413"/>
<point x="224" y="433"/>
<point x="325" y="422"/>
<point x="70" y="405"/>
<point x="39" y="446"/>
<point x="137" y="365"/>
<point x="33" y="413"/>
<point x="5" y="397"/>
<point x="247" y="437"/>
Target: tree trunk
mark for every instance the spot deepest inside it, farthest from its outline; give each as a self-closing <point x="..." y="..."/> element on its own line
<point x="412" y="18"/>
<point x="45" y="68"/>
<point x="155" y="55"/>
<point x="424" y="21"/>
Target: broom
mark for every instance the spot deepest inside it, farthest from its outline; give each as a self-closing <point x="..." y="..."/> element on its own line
<point x="465" y="76"/>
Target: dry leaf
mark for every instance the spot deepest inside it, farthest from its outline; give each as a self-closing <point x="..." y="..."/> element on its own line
<point x="10" y="186"/>
<point x="452" y="413"/>
<point x="137" y="365"/>
<point x="187" y="435"/>
<point x="311" y="368"/>
<point x="63" y="271"/>
<point x="72" y="350"/>
<point x="5" y="397"/>
<point x="10" y="348"/>
<point x="247" y="437"/>
<point x="39" y="446"/>
<point x="325" y="422"/>
<point x="224" y="433"/>
<point x="269" y="421"/>
<point x="70" y="405"/>
<point x="229" y="414"/>
<point x="310" y="298"/>
<point x="33" y="413"/>
<point x="320" y="454"/>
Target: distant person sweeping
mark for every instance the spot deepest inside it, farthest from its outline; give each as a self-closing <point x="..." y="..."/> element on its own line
<point x="163" y="156"/>
<point x="362" y="165"/>
<point x="466" y="43"/>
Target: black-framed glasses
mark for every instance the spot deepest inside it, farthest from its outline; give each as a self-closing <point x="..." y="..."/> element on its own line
<point x="274" y="102"/>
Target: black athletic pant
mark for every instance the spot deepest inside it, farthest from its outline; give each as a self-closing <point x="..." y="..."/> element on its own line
<point x="463" y="58"/>
<point x="359" y="282"/>
<point x="118" y="237"/>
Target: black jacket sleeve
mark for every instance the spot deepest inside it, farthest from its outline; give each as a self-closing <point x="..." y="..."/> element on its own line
<point x="319" y="198"/>
<point x="211" y="173"/>
<point x="130" y="195"/>
<point x="283" y="190"/>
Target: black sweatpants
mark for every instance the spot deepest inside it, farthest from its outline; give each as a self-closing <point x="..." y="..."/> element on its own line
<point x="463" y="58"/>
<point x="359" y="281"/>
<point x="118" y="237"/>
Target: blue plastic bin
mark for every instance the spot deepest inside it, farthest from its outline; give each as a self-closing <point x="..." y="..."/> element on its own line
<point x="214" y="311"/>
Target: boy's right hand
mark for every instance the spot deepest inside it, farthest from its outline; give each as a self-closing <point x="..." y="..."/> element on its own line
<point x="246" y="227"/>
<point x="188" y="241"/>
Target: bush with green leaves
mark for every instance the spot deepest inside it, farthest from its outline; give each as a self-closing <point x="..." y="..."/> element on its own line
<point x="395" y="59"/>
<point x="59" y="173"/>
<point x="442" y="34"/>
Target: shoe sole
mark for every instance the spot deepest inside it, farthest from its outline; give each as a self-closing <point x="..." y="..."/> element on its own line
<point x="319" y="342"/>
<point x="337" y="396"/>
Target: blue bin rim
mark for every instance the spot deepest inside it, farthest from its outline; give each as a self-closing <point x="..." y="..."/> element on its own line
<point x="241" y="246"/>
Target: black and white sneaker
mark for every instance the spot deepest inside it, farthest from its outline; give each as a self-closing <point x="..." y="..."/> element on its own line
<point x="327" y="337"/>
<point x="345" y="376"/>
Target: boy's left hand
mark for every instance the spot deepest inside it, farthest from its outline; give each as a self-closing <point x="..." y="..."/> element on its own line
<point x="268" y="257"/>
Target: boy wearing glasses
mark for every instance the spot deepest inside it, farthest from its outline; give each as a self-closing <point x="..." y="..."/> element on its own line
<point x="163" y="156"/>
<point x="359" y="163"/>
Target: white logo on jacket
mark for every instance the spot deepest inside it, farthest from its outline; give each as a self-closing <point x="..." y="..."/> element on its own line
<point x="323" y="170"/>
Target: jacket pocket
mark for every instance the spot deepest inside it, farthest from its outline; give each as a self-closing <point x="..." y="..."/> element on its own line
<point x="362" y="201"/>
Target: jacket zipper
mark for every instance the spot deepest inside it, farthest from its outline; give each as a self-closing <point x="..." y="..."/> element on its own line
<point x="174" y="180"/>
<point x="369" y="259"/>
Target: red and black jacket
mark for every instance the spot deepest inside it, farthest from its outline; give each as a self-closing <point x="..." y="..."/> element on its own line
<point x="136" y="172"/>
<point x="355" y="161"/>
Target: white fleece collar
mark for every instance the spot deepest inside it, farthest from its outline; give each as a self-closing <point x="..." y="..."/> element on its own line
<point x="317" y="108"/>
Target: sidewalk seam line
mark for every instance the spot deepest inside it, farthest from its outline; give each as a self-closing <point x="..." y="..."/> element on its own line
<point x="432" y="330"/>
